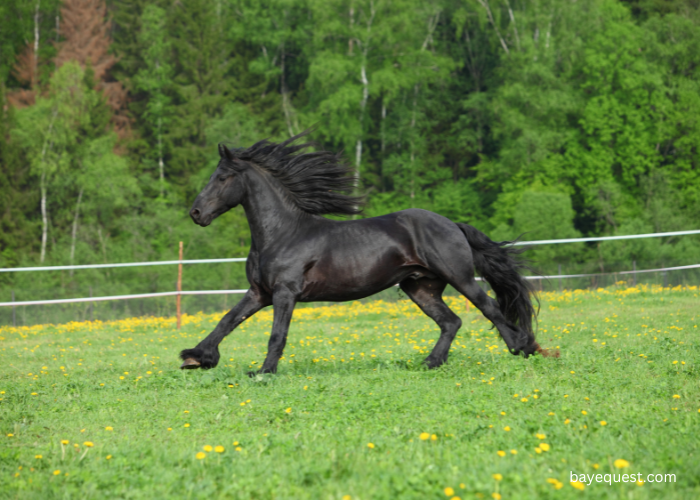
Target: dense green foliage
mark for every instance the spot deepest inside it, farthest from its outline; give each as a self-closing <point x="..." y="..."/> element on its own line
<point x="549" y="118"/>
<point x="350" y="414"/>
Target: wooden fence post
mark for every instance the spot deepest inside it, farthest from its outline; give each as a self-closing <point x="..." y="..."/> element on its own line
<point x="179" y="287"/>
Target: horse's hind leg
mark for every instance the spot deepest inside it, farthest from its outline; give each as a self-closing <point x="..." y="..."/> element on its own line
<point x="515" y="339"/>
<point x="427" y="294"/>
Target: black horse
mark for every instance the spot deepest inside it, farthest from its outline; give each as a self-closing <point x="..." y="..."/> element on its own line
<point x="296" y="255"/>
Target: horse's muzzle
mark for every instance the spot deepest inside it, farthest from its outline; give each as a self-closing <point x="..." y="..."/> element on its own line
<point x="196" y="215"/>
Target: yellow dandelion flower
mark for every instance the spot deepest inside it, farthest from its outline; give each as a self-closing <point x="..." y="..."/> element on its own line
<point x="595" y="466"/>
<point x="497" y="477"/>
<point x="238" y="448"/>
<point x="544" y="446"/>
<point x="56" y="472"/>
<point x="108" y="428"/>
<point x="524" y="400"/>
<point x="64" y="441"/>
<point x="200" y="455"/>
<point x="207" y="448"/>
<point x="578" y="485"/>
<point x="639" y="483"/>
<point x="496" y="496"/>
<point x="449" y="491"/>
<point x="603" y="422"/>
<point x="567" y="421"/>
<point x="538" y="450"/>
<point x="347" y="497"/>
<point x="89" y="444"/>
<point x="433" y="437"/>
<point x="219" y="449"/>
<point x="584" y="412"/>
<point x="187" y="425"/>
<point x="424" y="436"/>
<point x="288" y="410"/>
<point x="108" y="457"/>
<point x="501" y="453"/>
<point x="514" y="452"/>
<point x="676" y="396"/>
<point x="541" y="436"/>
<point x="370" y="445"/>
<point x="621" y="463"/>
<point x="506" y="428"/>
<point x="38" y="456"/>
<point x="551" y="413"/>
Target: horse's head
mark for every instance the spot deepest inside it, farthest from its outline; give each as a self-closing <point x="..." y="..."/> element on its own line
<point x="223" y="192"/>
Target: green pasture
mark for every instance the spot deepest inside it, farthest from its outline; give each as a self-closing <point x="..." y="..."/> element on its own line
<point x="101" y="410"/>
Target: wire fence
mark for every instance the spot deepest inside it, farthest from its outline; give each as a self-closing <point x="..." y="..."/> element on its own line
<point x="137" y="292"/>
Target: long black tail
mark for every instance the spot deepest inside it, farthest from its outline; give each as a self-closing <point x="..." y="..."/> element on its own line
<point x="497" y="262"/>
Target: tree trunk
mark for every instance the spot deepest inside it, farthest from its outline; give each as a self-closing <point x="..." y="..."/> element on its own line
<point x="487" y="8"/>
<point x="42" y="185"/>
<point x="363" y="105"/>
<point x="515" y="27"/>
<point x="74" y="232"/>
<point x="286" y="105"/>
<point x="161" y="166"/>
<point x="413" y="152"/>
<point x="44" y="216"/>
<point x="365" y="92"/>
<point x="36" y="45"/>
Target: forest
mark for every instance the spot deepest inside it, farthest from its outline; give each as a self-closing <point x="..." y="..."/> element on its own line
<point x="533" y="118"/>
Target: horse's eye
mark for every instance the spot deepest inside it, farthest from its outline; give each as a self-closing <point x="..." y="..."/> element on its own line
<point x="222" y="178"/>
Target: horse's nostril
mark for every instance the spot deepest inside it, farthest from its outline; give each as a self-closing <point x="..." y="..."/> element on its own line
<point x="195" y="213"/>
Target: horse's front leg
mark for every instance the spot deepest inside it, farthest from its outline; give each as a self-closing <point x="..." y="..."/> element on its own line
<point x="206" y="354"/>
<point x="283" y="300"/>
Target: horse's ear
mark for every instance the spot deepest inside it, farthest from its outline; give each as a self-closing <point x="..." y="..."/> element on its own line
<point x="225" y="152"/>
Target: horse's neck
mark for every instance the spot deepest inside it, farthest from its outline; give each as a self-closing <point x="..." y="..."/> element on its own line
<point x="270" y="215"/>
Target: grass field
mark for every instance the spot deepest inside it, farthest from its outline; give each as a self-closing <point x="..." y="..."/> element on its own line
<point x="95" y="410"/>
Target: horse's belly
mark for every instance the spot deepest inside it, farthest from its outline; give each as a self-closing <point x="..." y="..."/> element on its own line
<point x="340" y="287"/>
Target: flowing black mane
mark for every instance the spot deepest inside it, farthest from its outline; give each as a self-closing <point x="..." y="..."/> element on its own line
<point x="317" y="183"/>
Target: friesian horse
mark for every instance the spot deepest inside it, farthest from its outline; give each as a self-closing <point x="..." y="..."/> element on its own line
<point x="296" y="255"/>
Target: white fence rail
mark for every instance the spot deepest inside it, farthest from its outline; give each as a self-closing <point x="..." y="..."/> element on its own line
<point x="609" y="238"/>
<point x="243" y="259"/>
<point x="119" y="297"/>
<point x="120" y="264"/>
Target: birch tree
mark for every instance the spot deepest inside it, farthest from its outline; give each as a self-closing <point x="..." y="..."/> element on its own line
<point x="49" y="131"/>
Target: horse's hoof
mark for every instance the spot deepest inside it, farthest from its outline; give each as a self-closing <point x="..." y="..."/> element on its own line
<point x="189" y="364"/>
